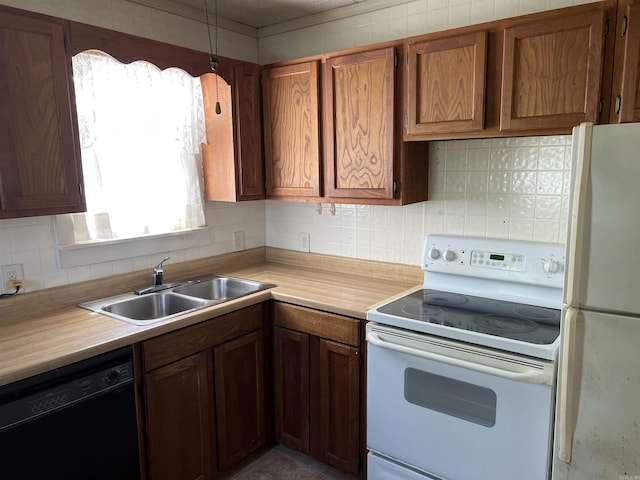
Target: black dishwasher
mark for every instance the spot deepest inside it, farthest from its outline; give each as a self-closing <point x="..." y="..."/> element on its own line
<point x="75" y="422"/>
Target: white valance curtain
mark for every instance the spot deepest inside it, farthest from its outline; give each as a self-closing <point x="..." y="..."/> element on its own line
<point x="140" y="133"/>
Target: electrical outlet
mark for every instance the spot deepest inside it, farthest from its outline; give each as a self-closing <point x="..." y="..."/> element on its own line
<point x="10" y="274"/>
<point x="238" y="241"/>
<point x="303" y="241"/>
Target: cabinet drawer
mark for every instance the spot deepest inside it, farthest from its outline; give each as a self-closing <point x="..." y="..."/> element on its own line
<point x="326" y="325"/>
<point x="173" y="346"/>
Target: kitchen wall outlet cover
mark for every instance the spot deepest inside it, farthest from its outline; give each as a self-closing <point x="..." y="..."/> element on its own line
<point x="303" y="242"/>
<point x="9" y="273"/>
<point x="238" y="241"/>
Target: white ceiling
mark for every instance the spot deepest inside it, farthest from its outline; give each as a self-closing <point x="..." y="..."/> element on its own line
<point x="258" y="13"/>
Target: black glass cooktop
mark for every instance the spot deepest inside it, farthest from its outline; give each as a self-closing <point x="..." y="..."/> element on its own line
<point x="527" y="323"/>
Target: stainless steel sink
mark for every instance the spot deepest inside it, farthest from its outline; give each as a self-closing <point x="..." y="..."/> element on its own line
<point x="221" y="288"/>
<point x="153" y="307"/>
<point x="171" y="302"/>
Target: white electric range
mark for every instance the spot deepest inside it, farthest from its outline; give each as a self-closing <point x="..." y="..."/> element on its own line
<point x="461" y="371"/>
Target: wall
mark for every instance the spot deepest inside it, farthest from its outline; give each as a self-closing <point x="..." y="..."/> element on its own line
<point x="511" y="188"/>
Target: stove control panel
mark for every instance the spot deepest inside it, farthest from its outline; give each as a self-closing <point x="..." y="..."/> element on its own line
<point x="512" y="260"/>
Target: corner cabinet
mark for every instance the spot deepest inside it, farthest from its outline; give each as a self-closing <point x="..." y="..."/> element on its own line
<point x="446" y="84"/>
<point x="333" y="134"/>
<point x="205" y="395"/>
<point x="318" y="380"/>
<point x="552" y="71"/>
<point x="40" y="165"/>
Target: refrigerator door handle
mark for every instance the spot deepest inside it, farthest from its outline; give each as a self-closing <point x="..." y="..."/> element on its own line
<point x="582" y="160"/>
<point x="530" y="376"/>
<point x="567" y="388"/>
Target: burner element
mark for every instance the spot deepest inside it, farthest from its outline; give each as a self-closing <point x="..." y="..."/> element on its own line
<point x="498" y="324"/>
<point x="537" y="314"/>
<point x="444" y="299"/>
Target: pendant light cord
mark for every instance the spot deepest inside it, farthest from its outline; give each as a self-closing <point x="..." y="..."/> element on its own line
<point x="213" y="52"/>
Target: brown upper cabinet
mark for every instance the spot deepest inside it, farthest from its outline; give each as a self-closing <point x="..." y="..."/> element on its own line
<point x="552" y="72"/>
<point x="40" y="166"/>
<point x="626" y="85"/>
<point x="536" y="74"/>
<point x="446" y="84"/>
<point x="332" y="129"/>
<point x="291" y="130"/>
<point x="232" y="157"/>
<point x="358" y="124"/>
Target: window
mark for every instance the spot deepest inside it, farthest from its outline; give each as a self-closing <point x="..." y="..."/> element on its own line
<point x="141" y="131"/>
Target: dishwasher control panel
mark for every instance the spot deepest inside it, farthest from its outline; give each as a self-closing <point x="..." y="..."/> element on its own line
<point x="50" y="396"/>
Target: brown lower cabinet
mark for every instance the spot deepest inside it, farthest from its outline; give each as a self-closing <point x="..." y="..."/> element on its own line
<point x="317" y="378"/>
<point x="205" y="397"/>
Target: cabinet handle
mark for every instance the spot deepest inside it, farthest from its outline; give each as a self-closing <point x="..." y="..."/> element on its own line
<point x="623" y="29"/>
<point x="618" y="102"/>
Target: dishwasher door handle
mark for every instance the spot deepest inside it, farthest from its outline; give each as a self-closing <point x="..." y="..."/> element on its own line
<point x="530" y="376"/>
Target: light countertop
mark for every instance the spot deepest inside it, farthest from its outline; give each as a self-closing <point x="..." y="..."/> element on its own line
<point x="34" y="338"/>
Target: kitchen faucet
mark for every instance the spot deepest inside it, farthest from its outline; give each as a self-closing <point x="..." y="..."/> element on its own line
<point x="157" y="284"/>
<point x="158" y="272"/>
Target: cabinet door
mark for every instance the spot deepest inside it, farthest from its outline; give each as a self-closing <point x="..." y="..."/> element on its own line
<point x="240" y="397"/>
<point x="40" y="168"/>
<point x="291" y="376"/>
<point x="446" y="84"/>
<point x="291" y="132"/>
<point x="335" y="404"/>
<point x="358" y="124"/>
<point x="180" y="429"/>
<point x="626" y="92"/>
<point x="232" y="157"/>
<point x="552" y="72"/>
<point x="246" y="95"/>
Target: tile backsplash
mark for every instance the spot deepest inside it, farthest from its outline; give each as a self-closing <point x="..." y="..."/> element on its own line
<point x="515" y="188"/>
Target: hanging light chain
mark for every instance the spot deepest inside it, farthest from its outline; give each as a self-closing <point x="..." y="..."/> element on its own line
<point x="213" y="52"/>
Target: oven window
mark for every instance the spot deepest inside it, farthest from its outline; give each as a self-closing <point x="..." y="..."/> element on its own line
<point x="452" y="397"/>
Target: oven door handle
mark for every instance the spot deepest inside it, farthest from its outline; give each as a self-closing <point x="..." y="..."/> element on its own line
<point x="530" y="376"/>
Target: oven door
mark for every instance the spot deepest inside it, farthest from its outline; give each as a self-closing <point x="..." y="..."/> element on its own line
<point x="457" y="411"/>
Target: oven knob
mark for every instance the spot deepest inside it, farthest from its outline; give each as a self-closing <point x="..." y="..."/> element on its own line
<point x="433" y="253"/>
<point x="552" y="266"/>
<point x="449" y="255"/>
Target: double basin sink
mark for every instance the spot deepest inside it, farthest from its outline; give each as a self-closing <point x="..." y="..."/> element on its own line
<point x="168" y="301"/>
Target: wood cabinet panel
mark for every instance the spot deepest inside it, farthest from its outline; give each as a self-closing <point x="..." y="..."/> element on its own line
<point x="446" y="80"/>
<point x="318" y="382"/>
<point x="626" y="91"/>
<point x="552" y="72"/>
<point x="291" y="388"/>
<point x="232" y="157"/>
<point x="249" y="160"/>
<point x="180" y="420"/>
<point x="314" y="322"/>
<point x="168" y="348"/>
<point x="40" y="167"/>
<point x="240" y="398"/>
<point x="291" y="126"/>
<point x="335" y="407"/>
<point x="359" y="124"/>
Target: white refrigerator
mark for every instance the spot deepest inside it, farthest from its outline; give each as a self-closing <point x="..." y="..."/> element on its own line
<point x="597" y="432"/>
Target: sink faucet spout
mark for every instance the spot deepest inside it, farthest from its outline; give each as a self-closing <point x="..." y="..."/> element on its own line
<point x="158" y="272"/>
